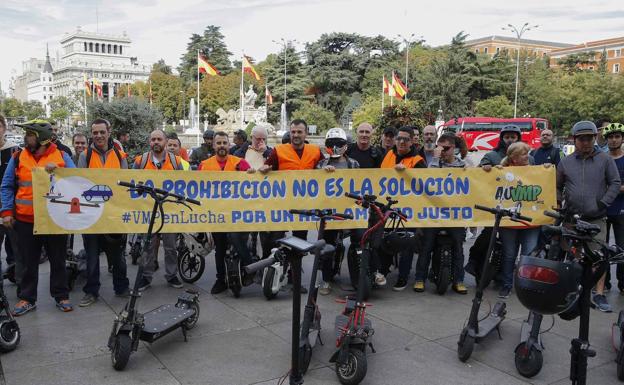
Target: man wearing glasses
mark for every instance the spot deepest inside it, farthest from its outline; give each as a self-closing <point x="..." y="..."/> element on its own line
<point x="402" y="156"/>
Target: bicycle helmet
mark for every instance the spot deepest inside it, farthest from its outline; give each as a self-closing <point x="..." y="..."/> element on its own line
<point x="208" y="134"/>
<point x="397" y="241"/>
<point x="546" y="286"/>
<point x="41" y="128"/>
<point x="336" y="142"/>
<point x="511" y="128"/>
<point x="612" y="128"/>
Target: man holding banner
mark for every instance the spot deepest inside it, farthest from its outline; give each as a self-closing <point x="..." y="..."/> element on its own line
<point x="158" y="158"/>
<point x="223" y="161"/>
<point x="17" y="212"/>
<point x="402" y="156"/>
<point x="102" y="153"/>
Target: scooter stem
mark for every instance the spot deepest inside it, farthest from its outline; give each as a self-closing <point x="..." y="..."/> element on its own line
<point x="295" y="374"/>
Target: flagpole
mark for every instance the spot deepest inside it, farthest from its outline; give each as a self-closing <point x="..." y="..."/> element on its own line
<point x="198" y="89"/>
<point x="84" y="99"/>
<point x="383" y="93"/>
<point x="242" y="99"/>
<point x="392" y="85"/>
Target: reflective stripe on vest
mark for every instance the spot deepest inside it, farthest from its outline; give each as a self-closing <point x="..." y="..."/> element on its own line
<point x="289" y="160"/>
<point x="409" y="162"/>
<point x="23" y="173"/>
<point x="212" y="164"/>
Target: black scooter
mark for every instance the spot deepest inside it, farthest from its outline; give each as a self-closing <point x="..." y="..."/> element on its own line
<point x="9" y="329"/>
<point x="442" y="261"/>
<point x="130" y="325"/>
<point x="477" y="329"/>
<point x="311" y="325"/>
<point x="292" y="249"/>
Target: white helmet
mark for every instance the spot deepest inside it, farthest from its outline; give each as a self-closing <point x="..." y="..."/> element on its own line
<point x="336" y="142"/>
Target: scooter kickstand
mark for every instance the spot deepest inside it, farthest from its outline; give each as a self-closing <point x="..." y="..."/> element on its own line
<point x="372" y="348"/>
<point x="500" y="337"/>
<point x="318" y="337"/>
<point x="184" y="333"/>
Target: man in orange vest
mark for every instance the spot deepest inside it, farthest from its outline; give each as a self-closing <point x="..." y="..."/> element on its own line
<point x="402" y="156"/>
<point x="158" y="158"/>
<point x="102" y="153"/>
<point x="17" y="212"/>
<point x="223" y="161"/>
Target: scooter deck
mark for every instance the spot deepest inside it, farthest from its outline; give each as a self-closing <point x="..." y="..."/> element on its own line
<point x="488" y="324"/>
<point x="162" y="320"/>
<point x="342" y="321"/>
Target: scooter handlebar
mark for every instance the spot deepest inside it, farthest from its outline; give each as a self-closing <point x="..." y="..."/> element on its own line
<point x="552" y="214"/>
<point x="522" y="218"/>
<point x="321" y="213"/>
<point x="483" y="208"/>
<point x="261" y="264"/>
<point x="158" y="190"/>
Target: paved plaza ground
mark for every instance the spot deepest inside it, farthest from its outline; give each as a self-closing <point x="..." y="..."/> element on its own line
<point x="246" y="340"/>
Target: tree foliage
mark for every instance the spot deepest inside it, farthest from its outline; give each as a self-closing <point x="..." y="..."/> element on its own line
<point x="496" y="106"/>
<point x="314" y="114"/>
<point x="212" y="46"/>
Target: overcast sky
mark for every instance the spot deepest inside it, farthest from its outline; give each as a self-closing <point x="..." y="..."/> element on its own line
<point x="161" y="28"/>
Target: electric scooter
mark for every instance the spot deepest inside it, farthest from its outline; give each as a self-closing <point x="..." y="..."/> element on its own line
<point x="274" y="276"/>
<point x="311" y="325"/>
<point x="131" y="326"/>
<point x="9" y="329"/>
<point x="442" y="261"/>
<point x="618" y="343"/>
<point x="477" y="329"/>
<point x="193" y="248"/>
<point x="292" y="249"/>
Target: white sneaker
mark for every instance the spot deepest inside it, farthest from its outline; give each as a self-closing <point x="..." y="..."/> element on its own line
<point x="324" y="288"/>
<point x="380" y="280"/>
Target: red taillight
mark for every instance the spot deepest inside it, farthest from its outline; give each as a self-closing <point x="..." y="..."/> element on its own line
<point x="538" y="273"/>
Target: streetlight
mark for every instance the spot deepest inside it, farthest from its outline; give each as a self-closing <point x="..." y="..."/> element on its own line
<point x="184" y="107"/>
<point x="408" y="43"/>
<point x="285" y="43"/>
<point x="519" y="34"/>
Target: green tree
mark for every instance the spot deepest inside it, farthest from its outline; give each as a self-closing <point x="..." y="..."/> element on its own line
<point x="132" y="115"/>
<point x="496" y="106"/>
<point x="212" y="46"/>
<point x="314" y="114"/>
<point x="62" y="108"/>
<point x="162" y="67"/>
<point x="11" y="107"/>
<point x="369" y="111"/>
<point x="33" y="109"/>
<point x="166" y="95"/>
<point x="578" y="62"/>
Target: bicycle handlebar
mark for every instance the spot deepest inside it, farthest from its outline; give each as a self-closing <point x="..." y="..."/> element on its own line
<point x="157" y="190"/>
<point x="513" y="215"/>
<point x="321" y="213"/>
<point x="552" y="214"/>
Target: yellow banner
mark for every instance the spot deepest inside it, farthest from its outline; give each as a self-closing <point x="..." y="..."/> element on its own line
<point x="90" y="201"/>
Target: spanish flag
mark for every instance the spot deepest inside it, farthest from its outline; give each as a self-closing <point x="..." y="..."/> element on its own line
<point x="98" y="88"/>
<point x="247" y="67"/>
<point x="385" y="85"/>
<point x="87" y="84"/>
<point x="400" y="89"/>
<point x="267" y="95"/>
<point x="206" y="67"/>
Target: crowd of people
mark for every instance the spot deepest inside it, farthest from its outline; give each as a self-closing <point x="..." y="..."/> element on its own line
<point x="588" y="182"/>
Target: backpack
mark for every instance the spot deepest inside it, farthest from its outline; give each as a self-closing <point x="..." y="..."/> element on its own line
<point x="145" y="157"/>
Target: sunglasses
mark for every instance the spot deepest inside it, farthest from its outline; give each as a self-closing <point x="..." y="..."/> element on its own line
<point x="446" y="148"/>
<point x="403" y="139"/>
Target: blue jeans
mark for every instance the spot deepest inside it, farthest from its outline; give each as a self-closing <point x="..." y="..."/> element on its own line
<point x="112" y="248"/>
<point x="514" y="240"/>
<point x="458" y="234"/>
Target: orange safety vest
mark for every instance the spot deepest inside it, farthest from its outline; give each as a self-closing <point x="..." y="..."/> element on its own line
<point x="212" y="164"/>
<point x="23" y="173"/>
<point x="409" y="162"/>
<point x="148" y="163"/>
<point x="112" y="160"/>
<point x="289" y="160"/>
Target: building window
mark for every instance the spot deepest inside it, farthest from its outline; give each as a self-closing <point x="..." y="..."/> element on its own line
<point x="109" y="48"/>
<point x="618" y="52"/>
<point x="90" y="47"/>
<point x="616" y="68"/>
<point x="485" y="50"/>
<point x="85" y="46"/>
<point x="51" y="97"/>
<point x="44" y="97"/>
<point x="120" y="50"/>
<point x="591" y="68"/>
<point x="497" y="50"/>
<point x="115" y="49"/>
<point x="477" y="50"/>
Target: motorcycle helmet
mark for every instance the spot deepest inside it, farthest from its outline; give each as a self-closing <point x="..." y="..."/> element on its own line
<point x="336" y="142"/>
<point x="546" y="286"/>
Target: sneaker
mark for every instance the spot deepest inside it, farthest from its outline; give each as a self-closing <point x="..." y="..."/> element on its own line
<point x="400" y="284"/>
<point x="325" y="288"/>
<point x="460" y="288"/>
<point x="218" y="287"/>
<point x="64" y="305"/>
<point x="504" y="293"/>
<point x="144" y="284"/>
<point x="88" y="299"/>
<point x="419" y="286"/>
<point x="124" y="293"/>
<point x="175" y="283"/>
<point x="380" y="279"/>
<point x="23" y="307"/>
<point x="599" y="301"/>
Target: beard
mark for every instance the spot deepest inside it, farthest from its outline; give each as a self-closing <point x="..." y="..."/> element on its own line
<point x="157" y="148"/>
<point x="222" y="152"/>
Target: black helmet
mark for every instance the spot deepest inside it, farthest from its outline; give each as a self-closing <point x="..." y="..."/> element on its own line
<point x="511" y="128"/>
<point x="286" y="138"/>
<point x="208" y="134"/>
<point x="546" y="286"/>
<point x="397" y="241"/>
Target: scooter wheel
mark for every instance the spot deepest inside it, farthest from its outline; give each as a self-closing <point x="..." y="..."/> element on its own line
<point x="9" y="335"/>
<point x="465" y="346"/>
<point x="121" y="351"/>
<point x="529" y="361"/>
<point x="443" y="281"/>
<point x="236" y="290"/>
<point x="267" y="283"/>
<point x="191" y="267"/>
<point x="190" y="323"/>
<point x="620" y="366"/>
<point x="305" y="356"/>
<point x="354" y="370"/>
